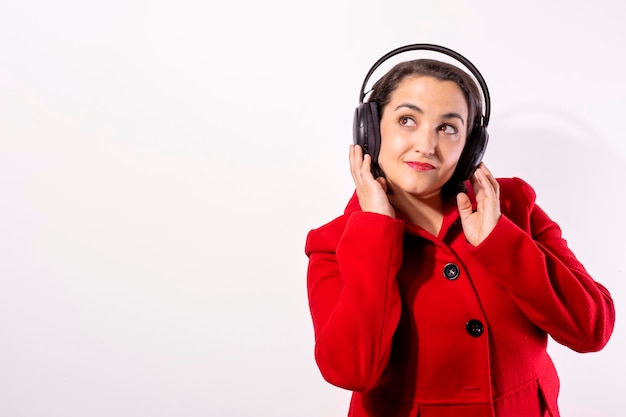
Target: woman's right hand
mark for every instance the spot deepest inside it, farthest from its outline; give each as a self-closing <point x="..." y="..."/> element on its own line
<point x="372" y="193"/>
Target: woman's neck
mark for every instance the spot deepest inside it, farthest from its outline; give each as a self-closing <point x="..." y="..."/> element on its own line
<point x="426" y="212"/>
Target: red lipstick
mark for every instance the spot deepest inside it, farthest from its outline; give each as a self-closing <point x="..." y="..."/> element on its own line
<point x="420" y="166"/>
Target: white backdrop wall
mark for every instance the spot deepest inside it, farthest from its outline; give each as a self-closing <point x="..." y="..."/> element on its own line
<point x="162" y="161"/>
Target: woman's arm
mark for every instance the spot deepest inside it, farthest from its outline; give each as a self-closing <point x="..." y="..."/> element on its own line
<point x="353" y="296"/>
<point x="544" y="277"/>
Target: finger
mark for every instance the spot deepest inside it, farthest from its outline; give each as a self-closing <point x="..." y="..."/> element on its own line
<point x="366" y="167"/>
<point x="355" y="160"/>
<point x="356" y="156"/>
<point x="483" y="177"/>
<point x="464" y="205"/>
<point x="364" y="161"/>
<point x="353" y="149"/>
<point x="476" y="182"/>
<point x="484" y="167"/>
<point x="485" y="195"/>
<point x="489" y="181"/>
<point x="492" y="180"/>
<point x="360" y="167"/>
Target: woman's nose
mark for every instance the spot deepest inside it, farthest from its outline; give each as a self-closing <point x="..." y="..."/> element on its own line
<point x="425" y="141"/>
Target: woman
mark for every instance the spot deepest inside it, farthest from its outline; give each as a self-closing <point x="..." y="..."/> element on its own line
<point x="430" y="301"/>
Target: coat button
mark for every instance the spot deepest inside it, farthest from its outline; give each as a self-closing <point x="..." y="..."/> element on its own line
<point x="451" y="271"/>
<point x="474" y="328"/>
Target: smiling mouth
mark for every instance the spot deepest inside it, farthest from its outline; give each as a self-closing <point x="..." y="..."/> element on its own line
<point x="420" y="166"/>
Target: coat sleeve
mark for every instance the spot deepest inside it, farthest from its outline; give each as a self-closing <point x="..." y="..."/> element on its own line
<point x="353" y="296"/>
<point x="528" y="256"/>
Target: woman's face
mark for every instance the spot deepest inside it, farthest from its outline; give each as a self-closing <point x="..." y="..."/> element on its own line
<point x="423" y="131"/>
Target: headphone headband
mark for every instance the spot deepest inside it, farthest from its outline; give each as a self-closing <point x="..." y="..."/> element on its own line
<point x="445" y="51"/>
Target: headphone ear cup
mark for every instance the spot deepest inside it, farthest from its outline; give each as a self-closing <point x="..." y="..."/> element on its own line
<point x="366" y="130"/>
<point x="473" y="154"/>
<point x="373" y="132"/>
<point x="359" y="126"/>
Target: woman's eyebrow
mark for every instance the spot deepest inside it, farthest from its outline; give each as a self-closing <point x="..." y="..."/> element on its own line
<point x="413" y="107"/>
<point x="409" y="106"/>
<point x="454" y="116"/>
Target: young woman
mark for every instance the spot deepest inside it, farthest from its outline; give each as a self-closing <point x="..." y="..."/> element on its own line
<point x="432" y="296"/>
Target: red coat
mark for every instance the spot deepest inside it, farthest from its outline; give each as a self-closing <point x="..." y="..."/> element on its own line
<point x="420" y="325"/>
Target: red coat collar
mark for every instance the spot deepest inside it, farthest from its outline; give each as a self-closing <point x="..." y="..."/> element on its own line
<point x="450" y="213"/>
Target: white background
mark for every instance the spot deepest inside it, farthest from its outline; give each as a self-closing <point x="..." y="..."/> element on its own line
<point x="162" y="161"/>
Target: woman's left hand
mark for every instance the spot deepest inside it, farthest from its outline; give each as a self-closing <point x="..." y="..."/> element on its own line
<point x="478" y="224"/>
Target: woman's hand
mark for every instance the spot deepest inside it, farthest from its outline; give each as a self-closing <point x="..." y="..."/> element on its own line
<point x="478" y="224"/>
<point x="372" y="193"/>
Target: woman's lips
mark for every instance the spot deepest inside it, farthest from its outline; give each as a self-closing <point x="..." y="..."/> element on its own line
<point x="420" y="166"/>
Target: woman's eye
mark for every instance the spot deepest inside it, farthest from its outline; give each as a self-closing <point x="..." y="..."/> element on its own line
<point x="406" y="121"/>
<point x="449" y="129"/>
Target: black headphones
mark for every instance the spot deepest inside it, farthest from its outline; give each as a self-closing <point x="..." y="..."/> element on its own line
<point x="366" y="128"/>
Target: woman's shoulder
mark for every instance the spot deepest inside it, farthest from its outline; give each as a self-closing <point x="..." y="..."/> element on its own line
<point x="517" y="189"/>
<point x="517" y="200"/>
<point x="514" y="192"/>
<point x="325" y="237"/>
